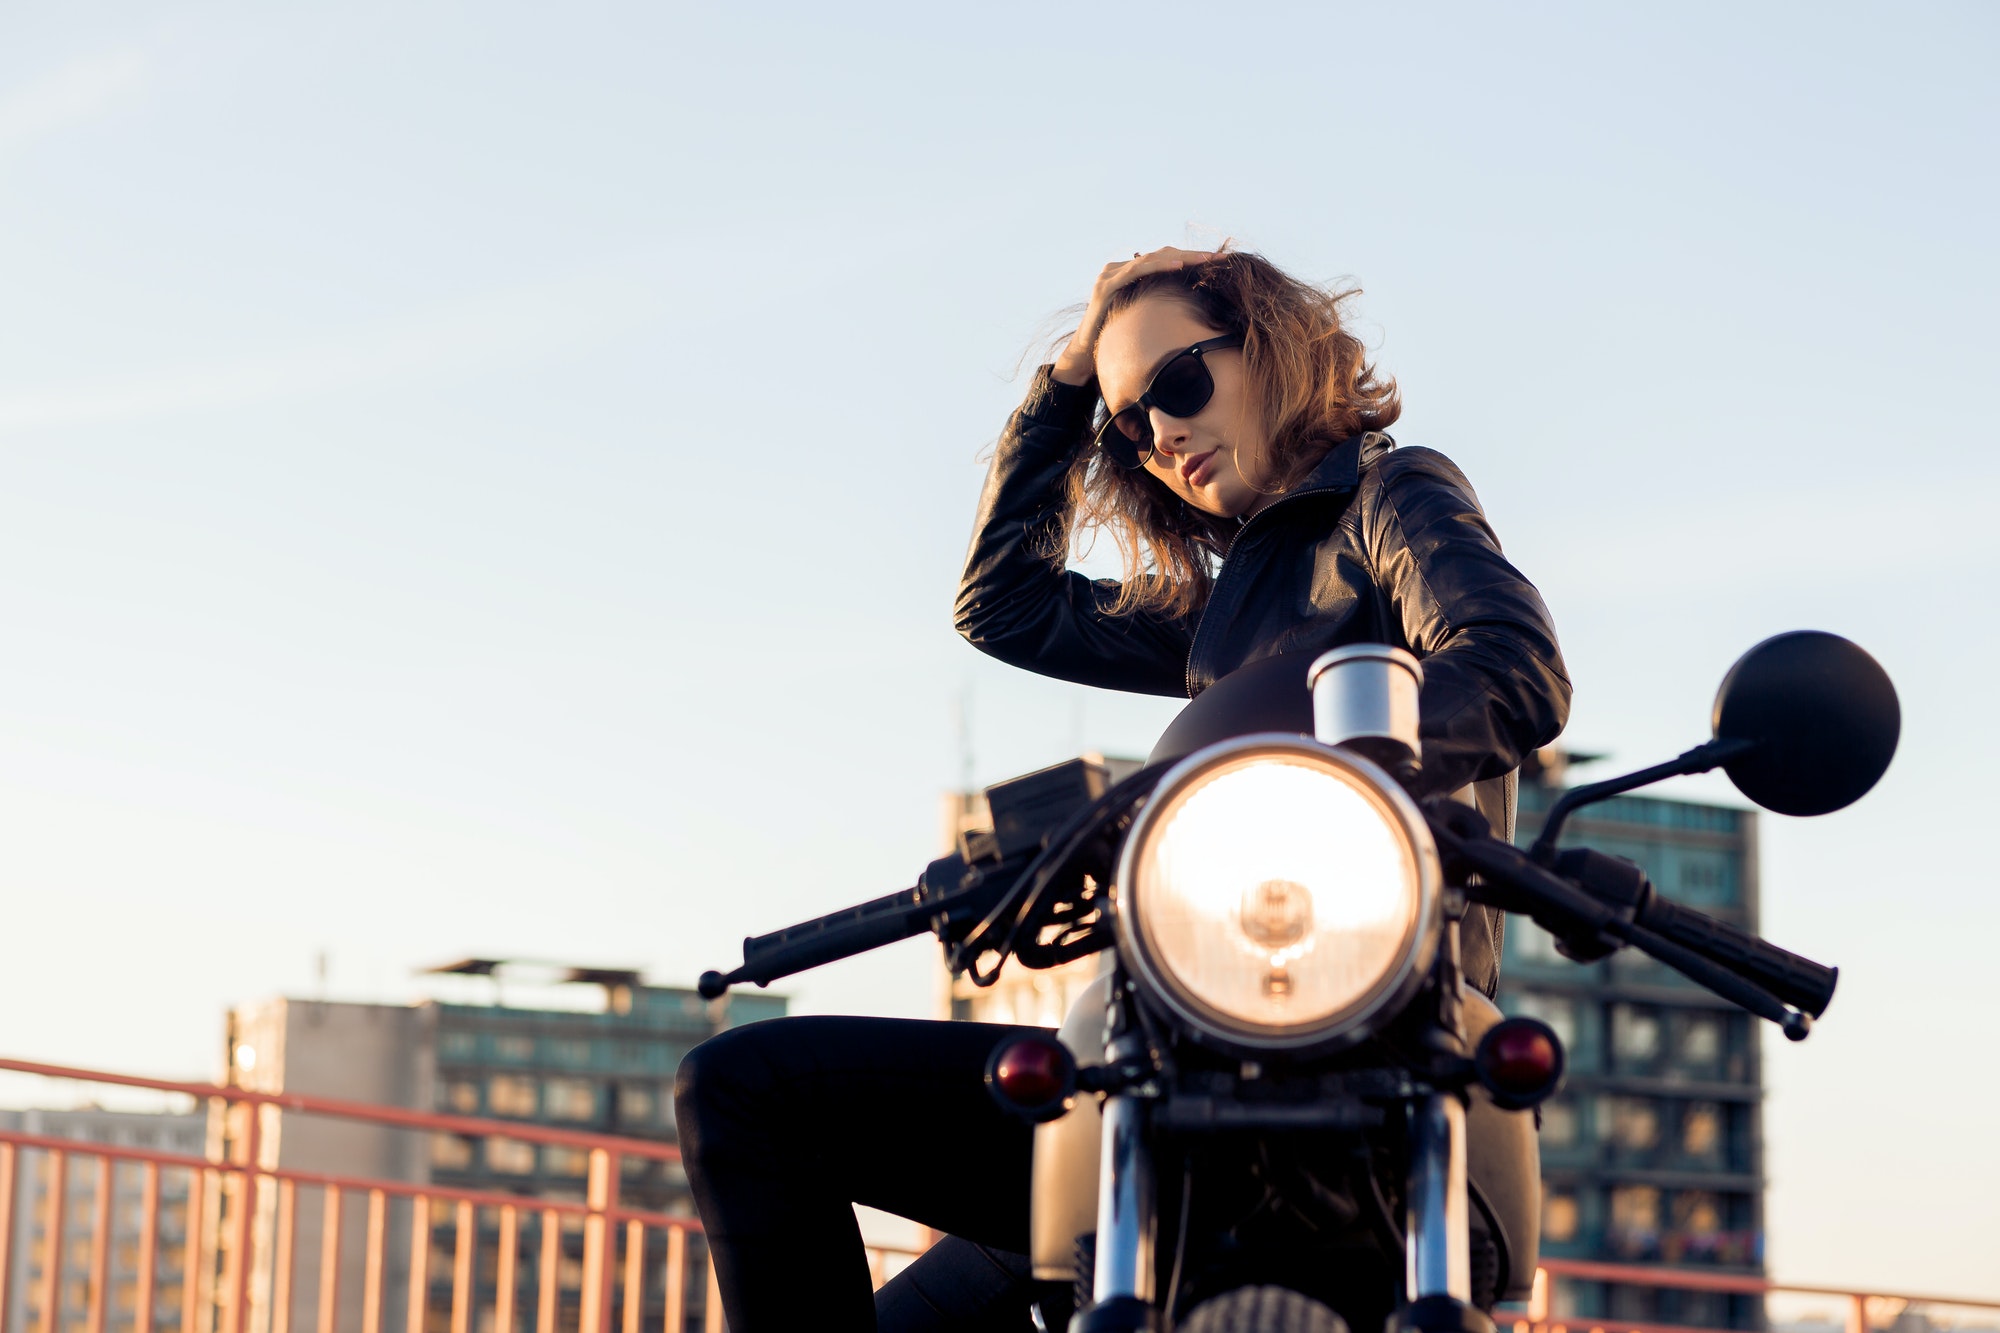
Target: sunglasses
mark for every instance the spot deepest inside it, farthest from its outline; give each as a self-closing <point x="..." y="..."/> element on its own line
<point x="1180" y="388"/>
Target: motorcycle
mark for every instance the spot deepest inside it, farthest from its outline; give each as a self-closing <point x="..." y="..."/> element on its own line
<point x="1279" y="1108"/>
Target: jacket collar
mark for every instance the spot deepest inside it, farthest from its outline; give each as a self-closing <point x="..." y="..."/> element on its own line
<point x="1340" y="470"/>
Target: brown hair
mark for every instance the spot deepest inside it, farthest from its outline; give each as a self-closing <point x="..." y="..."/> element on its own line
<point x="1317" y="388"/>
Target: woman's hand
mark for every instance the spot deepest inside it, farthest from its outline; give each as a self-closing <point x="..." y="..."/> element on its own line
<point x="1078" y="362"/>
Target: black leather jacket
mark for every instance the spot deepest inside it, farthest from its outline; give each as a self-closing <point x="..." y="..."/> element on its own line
<point x="1379" y="545"/>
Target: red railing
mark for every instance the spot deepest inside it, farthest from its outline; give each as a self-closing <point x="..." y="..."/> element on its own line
<point x="238" y="1268"/>
<point x="1861" y="1311"/>
<point x="237" y="1263"/>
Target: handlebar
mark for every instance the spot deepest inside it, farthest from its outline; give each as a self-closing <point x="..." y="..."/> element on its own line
<point x="977" y="900"/>
<point x="1799" y="982"/>
<point x="1621" y="885"/>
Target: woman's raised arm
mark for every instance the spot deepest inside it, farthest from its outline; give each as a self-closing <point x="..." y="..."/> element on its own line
<point x="1016" y="602"/>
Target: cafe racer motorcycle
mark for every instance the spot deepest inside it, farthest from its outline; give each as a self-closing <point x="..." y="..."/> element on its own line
<point x="1279" y="1108"/>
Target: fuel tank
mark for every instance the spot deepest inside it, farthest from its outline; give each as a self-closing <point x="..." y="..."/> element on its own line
<point x="1503" y="1159"/>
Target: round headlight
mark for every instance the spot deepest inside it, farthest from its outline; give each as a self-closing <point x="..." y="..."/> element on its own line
<point x="1278" y="893"/>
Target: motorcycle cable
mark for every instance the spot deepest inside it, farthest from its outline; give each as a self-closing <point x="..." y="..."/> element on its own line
<point x="1021" y="901"/>
<point x="1525" y="885"/>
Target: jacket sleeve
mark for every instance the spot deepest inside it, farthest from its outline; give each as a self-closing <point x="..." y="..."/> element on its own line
<point x="1017" y="603"/>
<point x="1494" y="682"/>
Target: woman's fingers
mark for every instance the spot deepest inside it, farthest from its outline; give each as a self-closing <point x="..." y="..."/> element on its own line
<point x="1076" y="363"/>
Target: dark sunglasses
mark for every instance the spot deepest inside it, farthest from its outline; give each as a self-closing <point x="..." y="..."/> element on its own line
<point x="1180" y="388"/>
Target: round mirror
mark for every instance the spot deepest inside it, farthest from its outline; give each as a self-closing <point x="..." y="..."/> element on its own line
<point x="1824" y="718"/>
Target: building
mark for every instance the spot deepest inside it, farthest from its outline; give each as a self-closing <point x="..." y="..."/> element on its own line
<point x="1653" y="1152"/>
<point x="608" y="1070"/>
<point x="169" y="1133"/>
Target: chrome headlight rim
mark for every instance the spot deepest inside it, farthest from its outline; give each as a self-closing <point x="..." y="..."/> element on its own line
<point x="1358" y="1020"/>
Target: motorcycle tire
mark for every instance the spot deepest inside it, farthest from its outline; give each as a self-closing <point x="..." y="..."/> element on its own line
<point x="1262" y="1310"/>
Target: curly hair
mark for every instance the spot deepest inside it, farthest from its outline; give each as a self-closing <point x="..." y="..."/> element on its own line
<point x="1317" y="389"/>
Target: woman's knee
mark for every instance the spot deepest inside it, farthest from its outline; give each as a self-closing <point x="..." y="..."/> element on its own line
<point x="724" y="1083"/>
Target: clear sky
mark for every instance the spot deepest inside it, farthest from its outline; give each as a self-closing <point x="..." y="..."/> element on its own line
<point x="491" y="479"/>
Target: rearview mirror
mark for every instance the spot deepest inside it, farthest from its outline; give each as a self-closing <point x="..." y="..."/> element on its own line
<point x="1821" y="717"/>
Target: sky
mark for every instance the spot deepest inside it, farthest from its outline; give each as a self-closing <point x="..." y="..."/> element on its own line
<point x="491" y="479"/>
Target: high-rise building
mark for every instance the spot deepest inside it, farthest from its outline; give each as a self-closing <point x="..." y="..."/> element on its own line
<point x="606" y="1071"/>
<point x="164" y="1132"/>
<point x="1653" y="1152"/>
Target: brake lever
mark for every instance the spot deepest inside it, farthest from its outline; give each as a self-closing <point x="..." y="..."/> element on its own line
<point x="1512" y="880"/>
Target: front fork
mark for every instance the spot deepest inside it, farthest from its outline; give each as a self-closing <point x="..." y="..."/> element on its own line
<point x="1437" y="1220"/>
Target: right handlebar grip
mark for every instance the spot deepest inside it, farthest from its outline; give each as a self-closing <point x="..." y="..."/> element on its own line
<point x="1799" y="982"/>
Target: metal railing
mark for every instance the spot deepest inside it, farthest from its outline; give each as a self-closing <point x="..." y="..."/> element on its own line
<point x="1860" y="1311"/>
<point x="235" y="1257"/>
<point x="593" y="1265"/>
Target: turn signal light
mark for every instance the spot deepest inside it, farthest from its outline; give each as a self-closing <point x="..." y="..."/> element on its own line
<point x="1033" y="1077"/>
<point x="1520" y="1062"/>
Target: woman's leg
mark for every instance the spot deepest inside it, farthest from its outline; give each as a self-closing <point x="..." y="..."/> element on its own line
<point x="784" y="1125"/>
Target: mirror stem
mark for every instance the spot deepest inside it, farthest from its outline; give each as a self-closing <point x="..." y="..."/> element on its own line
<point x="1711" y="754"/>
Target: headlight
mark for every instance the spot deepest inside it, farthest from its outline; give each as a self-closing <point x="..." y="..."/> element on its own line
<point x="1277" y="893"/>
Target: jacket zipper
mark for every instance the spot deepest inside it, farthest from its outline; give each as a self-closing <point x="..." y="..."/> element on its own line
<point x="1215" y="593"/>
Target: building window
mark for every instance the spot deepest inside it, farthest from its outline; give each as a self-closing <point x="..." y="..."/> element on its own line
<point x="1558" y="1011"/>
<point x="637" y="1103"/>
<point x="573" y="1162"/>
<point x="1532" y="944"/>
<point x="460" y="1095"/>
<point x="566" y="1051"/>
<point x="458" y="1045"/>
<point x="451" y="1152"/>
<point x="1635" y="1033"/>
<point x="510" y="1156"/>
<point x="514" y="1047"/>
<point x="1635" y="1222"/>
<point x="511" y="1094"/>
<point x="1559" y="1216"/>
<point x="1559" y="1122"/>
<point x="1701" y="1040"/>
<point x="1701" y="1130"/>
<point x="1635" y="1123"/>
<point x="570" y="1099"/>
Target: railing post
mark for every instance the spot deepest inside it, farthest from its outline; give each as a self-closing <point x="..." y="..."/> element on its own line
<point x="675" y="1320"/>
<point x="52" y="1230"/>
<point x="329" y="1261"/>
<point x="281" y="1262"/>
<point x="236" y="1314"/>
<point x="193" y="1257"/>
<point x="461" y="1269"/>
<point x="100" y="1249"/>
<point x="503" y="1279"/>
<point x="149" y="1248"/>
<point x="711" y="1315"/>
<point x="635" y="1274"/>
<point x="545" y="1287"/>
<point x="605" y="1167"/>
<point x="371" y="1276"/>
<point x="420" y="1261"/>
<point x="6" y="1228"/>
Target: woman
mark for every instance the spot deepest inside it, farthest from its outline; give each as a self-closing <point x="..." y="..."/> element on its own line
<point x="1240" y="466"/>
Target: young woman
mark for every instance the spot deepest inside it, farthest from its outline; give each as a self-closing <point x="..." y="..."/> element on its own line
<point x="1237" y="459"/>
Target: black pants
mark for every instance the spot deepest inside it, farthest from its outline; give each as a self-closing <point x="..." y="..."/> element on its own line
<point x="784" y="1125"/>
